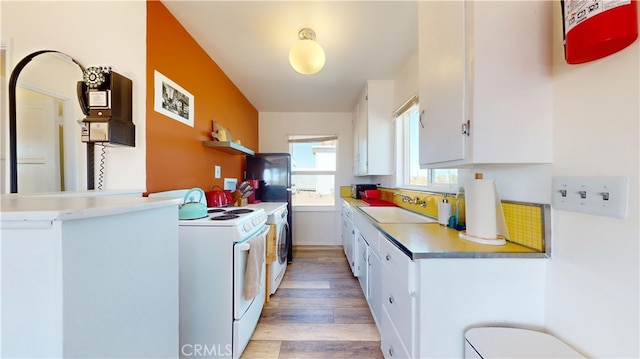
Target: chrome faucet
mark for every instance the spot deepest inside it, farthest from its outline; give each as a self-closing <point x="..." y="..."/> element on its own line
<point x="407" y="199"/>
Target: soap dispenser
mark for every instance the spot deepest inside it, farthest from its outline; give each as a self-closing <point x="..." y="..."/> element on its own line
<point x="444" y="211"/>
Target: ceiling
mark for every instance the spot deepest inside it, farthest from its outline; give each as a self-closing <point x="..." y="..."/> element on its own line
<point x="250" y="41"/>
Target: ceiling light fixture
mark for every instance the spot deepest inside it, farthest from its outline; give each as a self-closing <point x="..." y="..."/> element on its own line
<point x="306" y="55"/>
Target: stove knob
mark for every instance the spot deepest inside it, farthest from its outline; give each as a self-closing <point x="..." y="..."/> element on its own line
<point x="247" y="227"/>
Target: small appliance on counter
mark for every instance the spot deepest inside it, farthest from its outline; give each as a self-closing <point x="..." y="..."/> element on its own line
<point x="252" y="197"/>
<point x="192" y="208"/>
<point x="218" y="197"/>
<point x="357" y="189"/>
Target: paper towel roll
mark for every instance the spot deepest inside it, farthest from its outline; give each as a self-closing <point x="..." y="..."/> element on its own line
<point x="483" y="212"/>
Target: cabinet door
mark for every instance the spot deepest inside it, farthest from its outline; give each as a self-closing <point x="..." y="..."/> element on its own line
<point x="442" y="81"/>
<point x="399" y="292"/>
<point x="356" y="140"/>
<point x="373" y="130"/>
<point x="390" y="343"/>
<point x="363" y="260"/>
<point x="487" y="97"/>
<point x="363" y="130"/>
<point x="375" y="286"/>
<point x="380" y="151"/>
<point x="347" y="237"/>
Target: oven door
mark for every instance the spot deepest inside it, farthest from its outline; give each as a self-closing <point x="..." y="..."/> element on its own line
<point x="240" y="254"/>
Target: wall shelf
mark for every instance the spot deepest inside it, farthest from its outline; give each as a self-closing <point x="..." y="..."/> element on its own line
<point x="228" y="147"/>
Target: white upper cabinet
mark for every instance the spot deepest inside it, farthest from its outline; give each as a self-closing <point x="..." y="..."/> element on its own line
<point x="373" y="130"/>
<point x="485" y="82"/>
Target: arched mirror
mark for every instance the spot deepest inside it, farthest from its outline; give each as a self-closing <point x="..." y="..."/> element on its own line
<point x="46" y="154"/>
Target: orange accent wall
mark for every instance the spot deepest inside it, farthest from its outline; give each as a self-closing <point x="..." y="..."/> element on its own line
<point x="176" y="157"/>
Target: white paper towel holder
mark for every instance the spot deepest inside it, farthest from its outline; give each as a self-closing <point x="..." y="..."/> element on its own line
<point x="498" y="241"/>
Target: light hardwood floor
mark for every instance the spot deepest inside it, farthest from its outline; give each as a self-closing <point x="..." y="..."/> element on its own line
<point x="318" y="311"/>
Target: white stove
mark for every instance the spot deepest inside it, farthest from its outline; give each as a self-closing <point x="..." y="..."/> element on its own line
<point x="214" y="252"/>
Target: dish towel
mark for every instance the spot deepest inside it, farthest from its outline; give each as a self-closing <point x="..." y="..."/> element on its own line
<point x="253" y="272"/>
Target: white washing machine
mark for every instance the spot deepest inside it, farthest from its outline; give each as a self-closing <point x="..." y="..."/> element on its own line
<point x="277" y="246"/>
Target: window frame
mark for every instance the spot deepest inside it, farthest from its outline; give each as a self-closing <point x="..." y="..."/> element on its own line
<point x="334" y="173"/>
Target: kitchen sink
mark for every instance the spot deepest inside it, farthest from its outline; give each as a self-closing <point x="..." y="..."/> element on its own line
<point x="395" y="215"/>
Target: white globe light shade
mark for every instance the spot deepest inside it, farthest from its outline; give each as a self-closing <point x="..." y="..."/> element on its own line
<point x="307" y="57"/>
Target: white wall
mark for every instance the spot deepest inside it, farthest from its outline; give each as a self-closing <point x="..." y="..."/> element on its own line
<point x="93" y="33"/>
<point x="406" y="83"/>
<point x="312" y="226"/>
<point x="592" y="290"/>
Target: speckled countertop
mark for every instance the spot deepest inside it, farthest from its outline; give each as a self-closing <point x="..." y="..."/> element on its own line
<point x="436" y="241"/>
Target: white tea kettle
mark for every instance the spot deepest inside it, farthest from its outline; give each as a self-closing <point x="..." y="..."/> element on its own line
<point x="191" y="208"/>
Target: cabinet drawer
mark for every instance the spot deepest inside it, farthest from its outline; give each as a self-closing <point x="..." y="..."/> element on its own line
<point x="400" y="306"/>
<point x="346" y="210"/>
<point x="397" y="263"/>
<point x="390" y="342"/>
<point x="367" y="229"/>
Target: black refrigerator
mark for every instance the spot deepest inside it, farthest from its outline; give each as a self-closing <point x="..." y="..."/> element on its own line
<point x="273" y="173"/>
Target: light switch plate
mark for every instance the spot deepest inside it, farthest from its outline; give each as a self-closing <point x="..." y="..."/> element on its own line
<point x="601" y="196"/>
<point x="217" y="171"/>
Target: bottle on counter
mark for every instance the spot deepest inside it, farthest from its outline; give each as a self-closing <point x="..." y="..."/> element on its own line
<point x="444" y="211"/>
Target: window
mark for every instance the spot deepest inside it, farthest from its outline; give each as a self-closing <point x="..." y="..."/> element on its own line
<point x="408" y="171"/>
<point x="313" y="173"/>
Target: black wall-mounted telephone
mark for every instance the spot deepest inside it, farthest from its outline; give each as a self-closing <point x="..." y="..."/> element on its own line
<point x="106" y="99"/>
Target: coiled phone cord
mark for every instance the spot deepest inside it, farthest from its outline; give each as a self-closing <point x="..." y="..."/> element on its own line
<point x="101" y="170"/>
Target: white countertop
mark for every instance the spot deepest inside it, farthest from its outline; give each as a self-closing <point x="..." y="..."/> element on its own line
<point x="45" y="208"/>
<point x="85" y="193"/>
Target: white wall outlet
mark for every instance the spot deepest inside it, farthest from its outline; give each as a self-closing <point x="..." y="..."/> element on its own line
<point x="217" y="172"/>
<point x="601" y="196"/>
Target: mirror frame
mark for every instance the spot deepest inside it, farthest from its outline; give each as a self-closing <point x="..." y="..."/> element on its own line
<point x="13" y="138"/>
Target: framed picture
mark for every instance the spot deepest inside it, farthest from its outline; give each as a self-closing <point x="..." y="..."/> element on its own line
<point x="171" y="100"/>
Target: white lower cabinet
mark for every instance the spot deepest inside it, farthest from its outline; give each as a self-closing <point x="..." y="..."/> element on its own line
<point x="348" y="235"/>
<point x="400" y="305"/>
<point x="363" y="265"/>
<point x="375" y="285"/>
<point x="398" y="298"/>
<point x="422" y="307"/>
<point x="388" y="280"/>
<point x="390" y="342"/>
<point x="87" y="276"/>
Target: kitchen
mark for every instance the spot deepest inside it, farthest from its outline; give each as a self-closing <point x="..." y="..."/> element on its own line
<point x="591" y="285"/>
